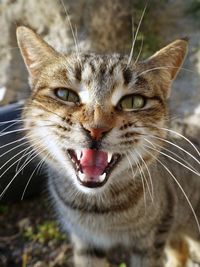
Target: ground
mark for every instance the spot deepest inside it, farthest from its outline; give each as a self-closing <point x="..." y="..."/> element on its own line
<point x="30" y="237"/>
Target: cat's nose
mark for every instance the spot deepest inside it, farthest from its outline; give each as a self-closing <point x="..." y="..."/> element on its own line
<point x="97" y="133"/>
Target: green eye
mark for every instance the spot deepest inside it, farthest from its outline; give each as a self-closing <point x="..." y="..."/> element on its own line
<point x="132" y="102"/>
<point x="67" y="95"/>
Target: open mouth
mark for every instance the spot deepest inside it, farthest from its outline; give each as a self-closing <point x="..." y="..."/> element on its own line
<point x="93" y="167"/>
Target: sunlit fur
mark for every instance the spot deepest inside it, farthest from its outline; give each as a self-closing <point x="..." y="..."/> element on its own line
<point x="140" y="207"/>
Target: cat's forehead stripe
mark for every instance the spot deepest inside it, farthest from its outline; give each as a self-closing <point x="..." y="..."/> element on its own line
<point x="78" y="72"/>
<point x="118" y="92"/>
<point x="127" y="75"/>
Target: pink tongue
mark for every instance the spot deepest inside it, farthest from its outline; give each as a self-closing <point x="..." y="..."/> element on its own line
<point x="93" y="162"/>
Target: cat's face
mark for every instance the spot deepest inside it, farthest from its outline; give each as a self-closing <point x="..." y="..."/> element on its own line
<point x="91" y="116"/>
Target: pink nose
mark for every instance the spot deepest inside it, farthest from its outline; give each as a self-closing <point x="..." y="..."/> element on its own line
<point x="97" y="133"/>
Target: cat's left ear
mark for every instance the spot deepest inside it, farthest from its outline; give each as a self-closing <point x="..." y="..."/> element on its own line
<point x="166" y="63"/>
<point x="35" y="51"/>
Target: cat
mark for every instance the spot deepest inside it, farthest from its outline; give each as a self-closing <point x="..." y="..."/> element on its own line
<point x="99" y="122"/>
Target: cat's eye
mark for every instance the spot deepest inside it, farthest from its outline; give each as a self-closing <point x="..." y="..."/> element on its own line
<point x="67" y="95"/>
<point x="132" y="102"/>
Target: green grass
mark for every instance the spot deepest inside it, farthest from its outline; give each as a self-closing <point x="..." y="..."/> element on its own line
<point x="122" y="265"/>
<point x="44" y="233"/>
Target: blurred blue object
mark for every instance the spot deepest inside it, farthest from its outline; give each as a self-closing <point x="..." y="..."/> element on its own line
<point x="10" y="152"/>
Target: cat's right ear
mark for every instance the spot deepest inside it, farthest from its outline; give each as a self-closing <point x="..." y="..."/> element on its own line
<point x="35" y="51"/>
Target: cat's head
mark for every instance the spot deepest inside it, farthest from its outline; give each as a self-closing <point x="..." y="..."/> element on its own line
<point x="93" y="117"/>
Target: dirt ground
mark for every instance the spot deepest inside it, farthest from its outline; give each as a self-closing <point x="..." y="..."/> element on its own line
<point x="30" y="237"/>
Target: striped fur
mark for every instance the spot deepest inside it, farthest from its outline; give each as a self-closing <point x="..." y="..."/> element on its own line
<point x="123" y="211"/>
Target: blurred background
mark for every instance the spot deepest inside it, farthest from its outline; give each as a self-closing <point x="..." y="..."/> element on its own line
<point x="28" y="234"/>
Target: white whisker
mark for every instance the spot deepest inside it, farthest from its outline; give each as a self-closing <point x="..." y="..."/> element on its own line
<point x="13" y="142"/>
<point x="168" y="156"/>
<point x="13" y="148"/>
<point x="72" y="31"/>
<point x="151" y="192"/>
<point x="181" y="188"/>
<point x="136" y="34"/>
<point x="180" y="135"/>
<point x="171" y="152"/>
<point x="175" y="145"/>
<point x="8" y="185"/>
<point x="133" y="173"/>
<point x="140" y="51"/>
<point x="42" y="161"/>
<point x="142" y="180"/>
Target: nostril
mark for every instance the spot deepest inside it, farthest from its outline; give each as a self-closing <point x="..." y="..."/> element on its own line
<point x="97" y="133"/>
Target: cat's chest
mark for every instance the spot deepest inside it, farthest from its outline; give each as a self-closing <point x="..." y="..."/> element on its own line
<point x="104" y="229"/>
<point x="99" y="229"/>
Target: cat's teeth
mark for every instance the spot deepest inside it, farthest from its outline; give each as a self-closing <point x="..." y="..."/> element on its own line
<point x="78" y="154"/>
<point x="81" y="176"/>
<point x="109" y="157"/>
<point x="102" y="177"/>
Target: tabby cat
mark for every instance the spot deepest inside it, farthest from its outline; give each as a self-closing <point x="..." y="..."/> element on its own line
<point x="99" y="122"/>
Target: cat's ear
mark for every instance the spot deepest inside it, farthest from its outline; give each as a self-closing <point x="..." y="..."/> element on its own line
<point x="167" y="62"/>
<point x="35" y="51"/>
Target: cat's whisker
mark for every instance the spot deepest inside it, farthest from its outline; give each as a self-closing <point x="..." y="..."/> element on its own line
<point x="151" y="192"/>
<point x="13" y="148"/>
<point x="162" y="68"/>
<point x="15" y="131"/>
<point x="136" y="35"/>
<point x="180" y="187"/>
<point x="171" y="152"/>
<point x="24" y="129"/>
<point x="177" y="161"/>
<point x="8" y="185"/>
<point x="20" y="108"/>
<point x="173" y="144"/>
<point x="140" y="51"/>
<point x="130" y="164"/>
<point x="8" y="127"/>
<point x="10" y="166"/>
<point x="28" y="155"/>
<point x="13" y="142"/>
<point x="152" y="69"/>
<point x="10" y="159"/>
<point x="17" y="146"/>
<point x="72" y="31"/>
<point x="38" y="166"/>
<point x="10" y="121"/>
<point x="16" y="121"/>
<point x="143" y="174"/>
<point x="142" y="180"/>
<point x="180" y="135"/>
<point x="36" y="141"/>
